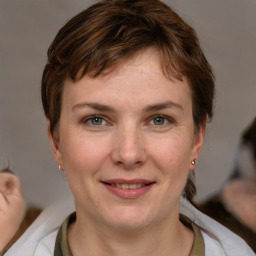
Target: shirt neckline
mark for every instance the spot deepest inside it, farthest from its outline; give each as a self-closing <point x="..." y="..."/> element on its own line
<point x="62" y="247"/>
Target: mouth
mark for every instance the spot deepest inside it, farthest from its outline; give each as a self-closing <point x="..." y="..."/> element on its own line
<point x="128" y="189"/>
<point x="128" y="186"/>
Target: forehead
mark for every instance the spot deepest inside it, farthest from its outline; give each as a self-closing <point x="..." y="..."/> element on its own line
<point x="139" y="79"/>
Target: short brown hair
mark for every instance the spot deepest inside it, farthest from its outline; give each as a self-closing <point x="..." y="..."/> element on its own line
<point x="111" y="31"/>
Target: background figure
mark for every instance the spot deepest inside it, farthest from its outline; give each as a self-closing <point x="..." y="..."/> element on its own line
<point x="14" y="220"/>
<point x="12" y="206"/>
<point x="235" y="205"/>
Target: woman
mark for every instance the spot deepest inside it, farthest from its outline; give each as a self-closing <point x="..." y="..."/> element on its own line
<point x="127" y="92"/>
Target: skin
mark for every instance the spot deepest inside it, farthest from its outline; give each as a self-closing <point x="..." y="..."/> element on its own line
<point x="12" y="207"/>
<point x="145" y="132"/>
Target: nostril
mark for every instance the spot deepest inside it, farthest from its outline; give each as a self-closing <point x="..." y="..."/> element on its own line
<point x="129" y="157"/>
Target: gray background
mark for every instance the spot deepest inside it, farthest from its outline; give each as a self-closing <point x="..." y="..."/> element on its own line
<point x="227" y="30"/>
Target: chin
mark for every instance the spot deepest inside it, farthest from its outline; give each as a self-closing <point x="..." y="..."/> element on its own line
<point x="128" y="219"/>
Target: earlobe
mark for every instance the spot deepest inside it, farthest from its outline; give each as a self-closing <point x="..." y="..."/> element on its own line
<point x="55" y="148"/>
<point x="197" y="146"/>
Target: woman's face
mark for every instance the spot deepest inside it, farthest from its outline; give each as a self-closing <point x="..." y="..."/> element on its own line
<point x="126" y="142"/>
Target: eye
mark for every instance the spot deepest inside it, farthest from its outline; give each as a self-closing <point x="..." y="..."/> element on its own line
<point x="160" y="120"/>
<point x="95" y="120"/>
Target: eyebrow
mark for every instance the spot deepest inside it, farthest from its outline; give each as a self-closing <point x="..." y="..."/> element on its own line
<point x="95" y="106"/>
<point x="164" y="105"/>
<point x="149" y="108"/>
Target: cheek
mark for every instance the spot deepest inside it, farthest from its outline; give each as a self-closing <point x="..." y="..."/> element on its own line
<point x="84" y="156"/>
<point x="172" y="158"/>
<point x="172" y="155"/>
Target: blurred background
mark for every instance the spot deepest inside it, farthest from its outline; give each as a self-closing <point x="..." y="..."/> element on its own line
<point x="227" y="32"/>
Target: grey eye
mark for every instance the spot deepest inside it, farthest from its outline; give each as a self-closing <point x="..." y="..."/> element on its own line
<point x="96" y="121"/>
<point x="159" y="120"/>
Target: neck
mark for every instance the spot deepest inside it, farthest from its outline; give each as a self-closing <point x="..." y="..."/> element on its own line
<point x="159" y="240"/>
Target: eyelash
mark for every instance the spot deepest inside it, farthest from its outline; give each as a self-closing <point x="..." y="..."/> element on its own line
<point x="167" y="120"/>
<point x="88" y="120"/>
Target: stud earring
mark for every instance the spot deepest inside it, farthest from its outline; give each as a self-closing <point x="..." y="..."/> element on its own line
<point x="193" y="162"/>
<point x="59" y="167"/>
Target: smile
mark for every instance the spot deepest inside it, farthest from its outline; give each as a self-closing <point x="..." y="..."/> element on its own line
<point x="128" y="186"/>
<point x="128" y="189"/>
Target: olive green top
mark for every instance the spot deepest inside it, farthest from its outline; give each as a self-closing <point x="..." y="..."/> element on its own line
<point x="62" y="247"/>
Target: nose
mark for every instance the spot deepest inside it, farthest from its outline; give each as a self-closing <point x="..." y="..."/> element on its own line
<point x="129" y="149"/>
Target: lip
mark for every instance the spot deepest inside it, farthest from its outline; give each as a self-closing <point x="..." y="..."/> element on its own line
<point x="128" y="193"/>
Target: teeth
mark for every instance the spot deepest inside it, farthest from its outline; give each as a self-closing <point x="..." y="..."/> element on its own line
<point x="133" y="186"/>
<point x="125" y="186"/>
<point x="128" y="186"/>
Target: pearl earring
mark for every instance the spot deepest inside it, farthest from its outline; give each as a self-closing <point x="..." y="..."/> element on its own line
<point x="193" y="162"/>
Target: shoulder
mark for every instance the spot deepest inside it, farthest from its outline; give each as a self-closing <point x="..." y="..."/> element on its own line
<point x="218" y="239"/>
<point x="39" y="239"/>
<point x="45" y="247"/>
<point x="212" y="245"/>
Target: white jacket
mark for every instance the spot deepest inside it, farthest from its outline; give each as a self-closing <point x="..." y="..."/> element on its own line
<point x="39" y="239"/>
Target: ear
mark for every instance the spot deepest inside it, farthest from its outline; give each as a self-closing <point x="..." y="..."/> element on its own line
<point x="197" y="145"/>
<point x="55" y="147"/>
